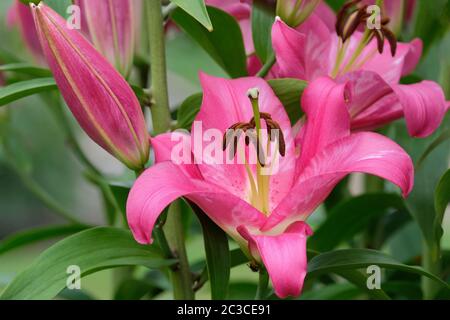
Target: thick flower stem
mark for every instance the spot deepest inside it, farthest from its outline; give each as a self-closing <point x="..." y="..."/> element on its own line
<point x="431" y="263"/>
<point x="181" y="276"/>
<point x="263" y="282"/>
<point x="160" y="109"/>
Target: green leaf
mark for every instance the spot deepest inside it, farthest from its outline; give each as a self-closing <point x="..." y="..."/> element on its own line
<point x="443" y="137"/>
<point x="289" y="91"/>
<point x="120" y="193"/>
<point x="26" y="68"/>
<point x="359" y="279"/>
<point x="349" y="218"/>
<point x="441" y="201"/>
<point x="196" y="9"/>
<point x="26" y="88"/>
<point x="420" y="201"/>
<point x="37" y="234"/>
<point x="218" y="259"/>
<point x="224" y="44"/>
<point x="262" y="21"/>
<point x="91" y="250"/>
<point x="188" y="111"/>
<point x="348" y="259"/>
<point x="60" y="6"/>
<point x="431" y="21"/>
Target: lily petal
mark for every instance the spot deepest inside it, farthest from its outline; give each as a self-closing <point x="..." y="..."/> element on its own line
<point x="283" y="254"/>
<point x="301" y="54"/>
<point x="111" y="28"/>
<point x="327" y="117"/>
<point x="364" y="152"/>
<point x="424" y="106"/>
<point x="164" y="146"/>
<point x="165" y="182"/>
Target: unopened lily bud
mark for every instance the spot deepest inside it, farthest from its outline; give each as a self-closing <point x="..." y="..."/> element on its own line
<point x="295" y="12"/>
<point x="19" y="14"/>
<point x="98" y="96"/>
<point x="111" y="28"/>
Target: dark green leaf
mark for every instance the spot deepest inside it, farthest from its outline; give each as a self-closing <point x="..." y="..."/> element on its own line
<point x="23" y="89"/>
<point x="26" y="68"/>
<point x="441" y="201"/>
<point x="359" y="279"/>
<point x="91" y="250"/>
<point x="38" y="234"/>
<point x="443" y="137"/>
<point x="431" y="21"/>
<point x="197" y="9"/>
<point x="341" y="260"/>
<point x="188" y="111"/>
<point x="224" y="44"/>
<point x="351" y="217"/>
<point x="289" y="91"/>
<point x="420" y="201"/>
<point x="218" y="260"/>
<point x="262" y="21"/>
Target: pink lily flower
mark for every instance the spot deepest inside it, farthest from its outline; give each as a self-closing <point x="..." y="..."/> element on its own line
<point x="313" y="51"/>
<point x="110" y="25"/>
<point x="19" y="14"/>
<point x="98" y="96"/>
<point x="266" y="214"/>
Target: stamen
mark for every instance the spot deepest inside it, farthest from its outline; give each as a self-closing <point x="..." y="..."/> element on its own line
<point x="348" y="21"/>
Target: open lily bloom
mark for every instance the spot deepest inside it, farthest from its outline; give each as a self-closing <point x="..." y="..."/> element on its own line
<point x="265" y="213"/>
<point x="313" y="51"/>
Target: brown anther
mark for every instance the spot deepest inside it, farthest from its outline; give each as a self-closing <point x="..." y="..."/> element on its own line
<point x="281" y="142"/>
<point x="392" y="39"/>
<point x="349" y="20"/>
<point x="233" y="134"/>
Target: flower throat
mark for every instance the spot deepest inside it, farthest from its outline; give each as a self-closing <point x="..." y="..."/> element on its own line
<point x="252" y="132"/>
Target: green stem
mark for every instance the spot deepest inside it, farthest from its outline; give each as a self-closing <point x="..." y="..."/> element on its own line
<point x="181" y="276"/>
<point x="431" y="263"/>
<point x="160" y="109"/>
<point x="267" y="66"/>
<point x="261" y="291"/>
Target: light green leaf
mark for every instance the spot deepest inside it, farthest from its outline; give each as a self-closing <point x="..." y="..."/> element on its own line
<point x="289" y="91"/>
<point x="26" y="88"/>
<point x="341" y="260"/>
<point x="196" y="9"/>
<point x="91" y="250"/>
<point x="188" y="111"/>
<point x="224" y="44"/>
<point x="37" y="234"/>
<point x="262" y="21"/>
<point x="347" y="219"/>
<point x="26" y="68"/>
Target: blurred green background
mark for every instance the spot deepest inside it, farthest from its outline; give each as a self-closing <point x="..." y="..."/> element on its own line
<point x="41" y="144"/>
